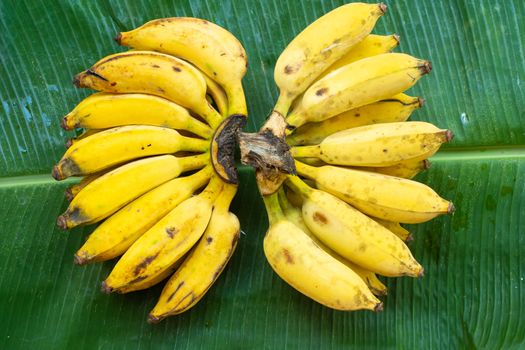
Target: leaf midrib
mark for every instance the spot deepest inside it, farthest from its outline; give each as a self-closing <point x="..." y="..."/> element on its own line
<point x="450" y="154"/>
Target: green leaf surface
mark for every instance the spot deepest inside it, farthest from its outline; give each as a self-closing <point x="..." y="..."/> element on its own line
<point x="473" y="292"/>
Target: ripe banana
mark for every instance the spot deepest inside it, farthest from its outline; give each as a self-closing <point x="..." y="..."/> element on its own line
<point x="165" y="243"/>
<point x="121" y="144"/>
<point x="298" y="260"/>
<point x="406" y="169"/>
<point x="118" y="187"/>
<point x="104" y="110"/>
<point x="151" y="73"/>
<point x="118" y="232"/>
<point x="204" y="263"/>
<point x="208" y="46"/>
<point x="357" y="84"/>
<point x="371" y="45"/>
<point x="382" y="196"/>
<point x="295" y="215"/>
<point x="397" y="108"/>
<point x="353" y="235"/>
<point x="319" y="45"/>
<point x="378" y="145"/>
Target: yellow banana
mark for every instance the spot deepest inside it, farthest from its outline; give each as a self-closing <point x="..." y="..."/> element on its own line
<point x="120" y="144"/>
<point x="357" y="84"/>
<point x="295" y="215"/>
<point x="319" y="45"/>
<point x="151" y="73"/>
<point x="118" y="232"/>
<point x="353" y="235"/>
<point x="204" y="263"/>
<point x="406" y="169"/>
<point x="104" y="110"/>
<point x="371" y="45"/>
<point x="165" y="243"/>
<point x="298" y="260"/>
<point x="208" y="46"/>
<point x="396" y="229"/>
<point x="382" y="196"/>
<point x="377" y="145"/>
<point x="397" y="108"/>
<point x="118" y="187"/>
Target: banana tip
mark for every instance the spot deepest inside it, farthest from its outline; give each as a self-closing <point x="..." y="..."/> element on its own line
<point x="152" y="319"/>
<point x="68" y="194"/>
<point x="427" y="164"/>
<point x="68" y="143"/>
<point x="105" y="288"/>
<point x="449" y="135"/>
<point x="379" y="307"/>
<point x="421" y="101"/>
<point x="451" y="208"/>
<point x="426" y="67"/>
<point x="62" y="222"/>
<point x="409" y="238"/>
<point x="63" y="123"/>
<point x="118" y="38"/>
<point x="56" y="173"/>
<point x="78" y="260"/>
<point x="382" y="8"/>
<point x="77" y="80"/>
<point x="397" y="38"/>
<point x="421" y="273"/>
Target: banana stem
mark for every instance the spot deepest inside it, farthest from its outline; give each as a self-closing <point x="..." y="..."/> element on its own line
<point x="298" y="186"/>
<point x="222" y="203"/>
<point x="194" y="162"/>
<point x="236" y="99"/>
<point x="212" y="117"/>
<point x="306" y="170"/>
<point x="199" y="129"/>
<point x="213" y="189"/>
<point x="283" y="104"/>
<point x="283" y="200"/>
<point x="305" y="151"/>
<point x="201" y="177"/>
<point x="296" y="119"/>
<point x="275" y="213"/>
<point x="192" y="144"/>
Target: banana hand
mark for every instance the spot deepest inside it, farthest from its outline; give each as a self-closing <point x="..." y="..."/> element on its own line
<point x="204" y="263"/>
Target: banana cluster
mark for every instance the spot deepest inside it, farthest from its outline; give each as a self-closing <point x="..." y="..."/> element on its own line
<point x="335" y="225"/>
<point x="149" y="163"/>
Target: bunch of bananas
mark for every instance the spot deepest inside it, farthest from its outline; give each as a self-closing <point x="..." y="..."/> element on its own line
<point x="154" y="162"/>
<point x="334" y="161"/>
<point x="336" y="226"/>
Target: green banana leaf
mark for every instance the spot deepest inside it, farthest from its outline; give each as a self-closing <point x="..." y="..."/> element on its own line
<point x="473" y="292"/>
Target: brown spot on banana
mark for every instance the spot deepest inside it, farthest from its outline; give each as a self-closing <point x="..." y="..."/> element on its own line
<point x="320" y="218"/>
<point x="321" y="91"/>
<point x="175" y="292"/>
<point x="176" y="69"/>
<point x="171" y="231"/>
<point x="287" y="256"/>
<point x="144" y="263"/>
